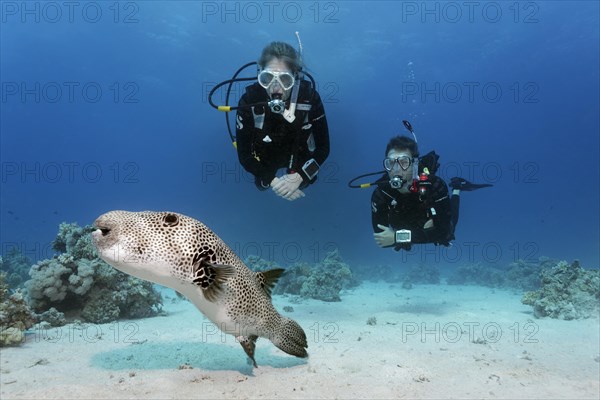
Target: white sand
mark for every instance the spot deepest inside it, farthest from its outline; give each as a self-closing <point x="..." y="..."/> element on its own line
<point x="523" y="357"/>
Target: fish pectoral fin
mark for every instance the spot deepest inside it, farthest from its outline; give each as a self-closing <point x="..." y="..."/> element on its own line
<point x="210" y="278"/>
<point x="268" y="279"/>
<point x="249" y="344"/>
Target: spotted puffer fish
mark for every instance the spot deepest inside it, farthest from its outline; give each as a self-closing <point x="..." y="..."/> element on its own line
<point x="183" y="254"/>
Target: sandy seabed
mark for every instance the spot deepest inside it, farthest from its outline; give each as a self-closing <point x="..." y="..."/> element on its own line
<point x="432" y="341"/>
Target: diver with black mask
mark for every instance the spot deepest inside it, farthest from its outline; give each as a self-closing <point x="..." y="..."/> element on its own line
<point x="280" y="123"/>
<point x="411" y="205"/>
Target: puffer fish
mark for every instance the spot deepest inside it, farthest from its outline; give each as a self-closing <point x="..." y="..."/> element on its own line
<point x="179" y="252"/>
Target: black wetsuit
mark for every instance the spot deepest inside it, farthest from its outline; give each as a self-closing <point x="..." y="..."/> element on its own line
<point x="406" y="211"/>
<point x="266" y="141"/>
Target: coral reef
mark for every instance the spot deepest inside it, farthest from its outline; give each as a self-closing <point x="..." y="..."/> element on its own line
<point x="53" y="279"/>
<point x="322" y="281"/>
<point x="422" y="273"/>
<point x="523" y="275"/>
<point x="526" y="275"/>
<point x="53" y="317"/>
<point x="477" y="274"/>
<point x="75" y="241"/>
<point x="15" y="265"/>
<point x="379" y="272"/>
<point x="567" y="292"/>
<point x="328" y="278"/>
<point x="79" y="282"/>
<point x="258" y="264"/>
<point x="15" y="315"/>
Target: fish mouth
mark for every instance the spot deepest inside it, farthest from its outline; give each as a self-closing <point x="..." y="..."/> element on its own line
<point x="99" y="237"/>
<point x="105" y="233"/>
<point x="101" y="230"/>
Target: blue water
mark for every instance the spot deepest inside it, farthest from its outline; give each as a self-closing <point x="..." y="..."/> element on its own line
<point x="104" y="107"/>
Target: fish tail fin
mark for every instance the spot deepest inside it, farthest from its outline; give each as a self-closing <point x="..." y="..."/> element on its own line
<point x="290" y="337"/>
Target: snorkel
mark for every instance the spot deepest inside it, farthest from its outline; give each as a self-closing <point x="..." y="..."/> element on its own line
<point x="415" y="163"/>
<point x="420" y="182"/>
<point x="290" y="113"/>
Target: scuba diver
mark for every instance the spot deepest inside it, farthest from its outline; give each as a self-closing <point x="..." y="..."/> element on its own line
<point x="411" y="204"/>
<point x="280" y="123"/>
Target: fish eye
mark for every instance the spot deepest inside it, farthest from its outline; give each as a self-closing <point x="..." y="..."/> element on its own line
<point x="171" y="220"/>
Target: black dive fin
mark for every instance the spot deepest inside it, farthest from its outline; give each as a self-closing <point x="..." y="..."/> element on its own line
<point x="465" y="185"/>
<point x="475" y="186"/>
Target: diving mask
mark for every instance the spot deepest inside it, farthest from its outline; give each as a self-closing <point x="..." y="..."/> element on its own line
<point x="404" y="162"/>
<point x="285" y="79"/>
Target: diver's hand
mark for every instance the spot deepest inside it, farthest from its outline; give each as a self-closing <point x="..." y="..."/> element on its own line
<point x="386" y="238"/>
<point x="295" y="195"/>
<point x="287" y="186"/>
<point x="291" y="197"/>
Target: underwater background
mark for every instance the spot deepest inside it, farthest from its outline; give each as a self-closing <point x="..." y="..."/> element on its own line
<point x="104" y="106"/>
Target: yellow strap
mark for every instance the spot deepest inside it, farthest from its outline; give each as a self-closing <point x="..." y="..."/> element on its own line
<point x="234" y="144"/>
<point x="365" y="185"/>
<point x="224" y="108"/>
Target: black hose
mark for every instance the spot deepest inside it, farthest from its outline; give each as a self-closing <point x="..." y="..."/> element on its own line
<point x="378" y="182"/>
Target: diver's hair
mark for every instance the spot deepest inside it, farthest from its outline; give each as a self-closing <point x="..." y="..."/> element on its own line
<point x="282" y="51"/>
<point x="402" y="143"/>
